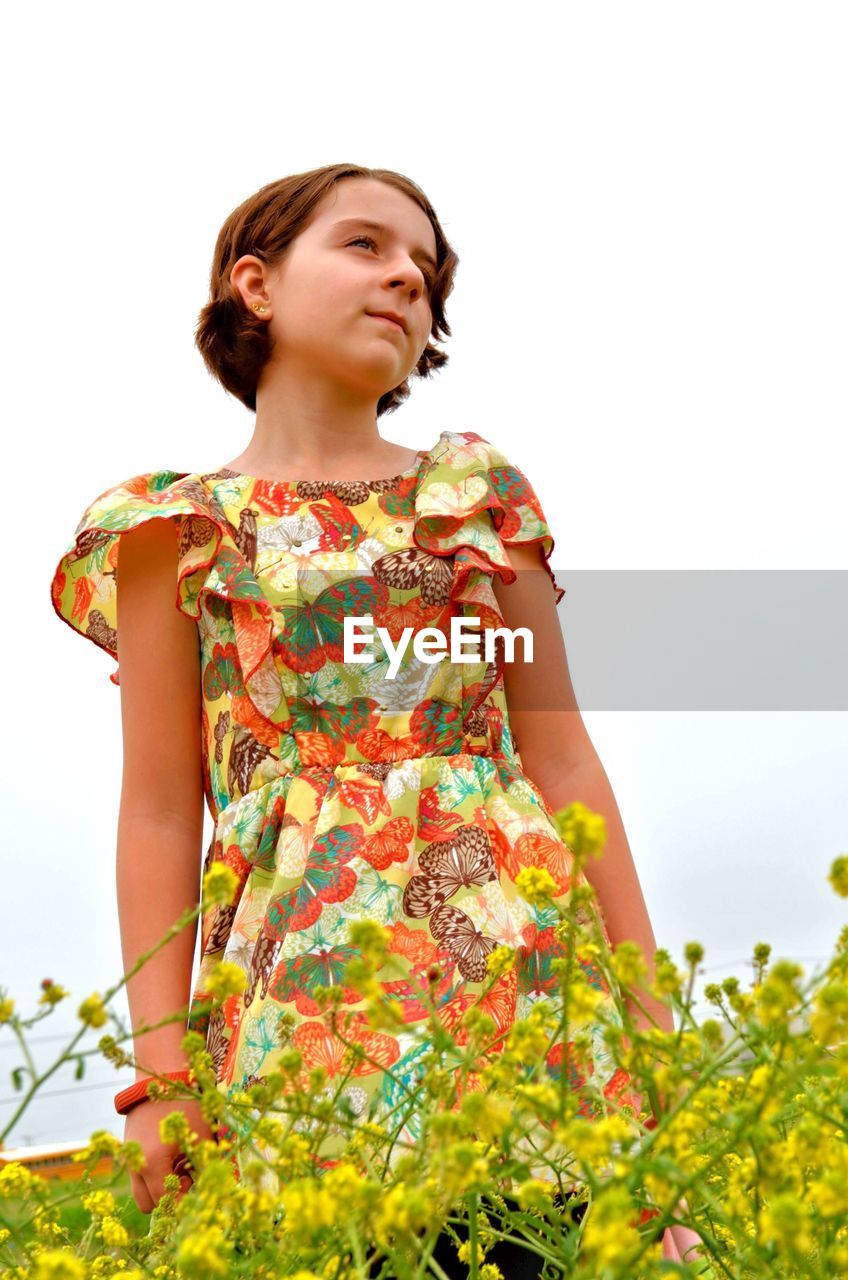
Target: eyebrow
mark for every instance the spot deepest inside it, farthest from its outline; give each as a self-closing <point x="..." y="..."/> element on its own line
<point x="421" y="252"/>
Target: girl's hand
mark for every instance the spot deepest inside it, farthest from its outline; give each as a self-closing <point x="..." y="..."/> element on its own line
<point x="142" y="1126"/>
<point x="679" y="1244"/>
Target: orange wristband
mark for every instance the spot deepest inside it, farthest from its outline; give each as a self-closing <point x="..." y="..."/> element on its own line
<point x="136" y="1093"/>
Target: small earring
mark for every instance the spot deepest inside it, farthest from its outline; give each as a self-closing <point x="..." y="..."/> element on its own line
<point x="256" y="307"/>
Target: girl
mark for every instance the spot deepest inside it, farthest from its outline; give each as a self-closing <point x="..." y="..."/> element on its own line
<point x="336" y="793"/>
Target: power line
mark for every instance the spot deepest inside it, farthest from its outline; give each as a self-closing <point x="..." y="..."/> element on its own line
<point x="13" y="1044"/>
<point x="747" y="960"/>
<point x="60" y="1093"/>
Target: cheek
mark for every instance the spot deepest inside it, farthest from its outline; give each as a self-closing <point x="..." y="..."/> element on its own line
<point x="311" y="318"/>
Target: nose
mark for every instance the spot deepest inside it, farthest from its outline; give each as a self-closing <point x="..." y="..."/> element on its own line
<point x="407" y="274"/>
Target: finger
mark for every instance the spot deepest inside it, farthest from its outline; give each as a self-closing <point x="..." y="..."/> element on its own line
<point x="669" y="1248"/>
<point x="185" y="1186"/>
<point x="156" y="1179"/>
<point x="140" y="1193"/>
<point x="687" y="1242"/>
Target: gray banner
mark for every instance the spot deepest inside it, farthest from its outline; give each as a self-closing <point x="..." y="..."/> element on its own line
<point x="707" y="640"/>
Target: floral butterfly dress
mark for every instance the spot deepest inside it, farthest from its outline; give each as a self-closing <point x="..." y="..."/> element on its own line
<point x="338" y="794"/>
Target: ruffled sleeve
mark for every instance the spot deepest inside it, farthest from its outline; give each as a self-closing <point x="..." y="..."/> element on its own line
<point x="84" y="588"/>
<point x="214" y="560"/>
<point x="472" y="503"/>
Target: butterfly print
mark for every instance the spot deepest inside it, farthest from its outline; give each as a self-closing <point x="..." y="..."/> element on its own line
<point x="351" y="493"/>
<point x="222" y="728"/>
<point x="490" y="677"/>
<point x="377" y="770"/>
<point x="313" y="630"/>
<point x="195" y="532"/>
<point x="216" y="1039"/>
<point x="411" y="568"/>
<point x="368" y="800"/>
<point x="98" y="629"/>
<point x="264" y="958"/>
<point x="339" y="530"/>
<point x="452" y="928"/>
<point x="246" y="754"/>
<point x="218" y="932"/>
<point x="245" y="536"/>
<point x="446" y="866"/>
<point x="389" y="844"/>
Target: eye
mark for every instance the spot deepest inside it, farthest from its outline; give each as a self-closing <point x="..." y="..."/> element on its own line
<point x="373" y="244"/>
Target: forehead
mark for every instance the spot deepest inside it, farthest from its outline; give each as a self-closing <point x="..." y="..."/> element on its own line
<point x="365" y="200"/>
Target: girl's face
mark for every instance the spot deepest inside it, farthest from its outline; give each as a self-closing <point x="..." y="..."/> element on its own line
<point x="322" y="298"/>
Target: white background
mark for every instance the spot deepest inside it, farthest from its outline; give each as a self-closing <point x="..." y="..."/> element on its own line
<point x="649" y="203"/>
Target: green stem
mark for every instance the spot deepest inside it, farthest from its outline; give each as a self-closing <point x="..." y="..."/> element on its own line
<point x="472" y="1237"/>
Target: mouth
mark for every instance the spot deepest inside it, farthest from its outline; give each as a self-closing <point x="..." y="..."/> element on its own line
<point x="396" y="324"/>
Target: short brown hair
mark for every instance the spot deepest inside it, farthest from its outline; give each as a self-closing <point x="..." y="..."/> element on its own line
<point x="234" y="342"/>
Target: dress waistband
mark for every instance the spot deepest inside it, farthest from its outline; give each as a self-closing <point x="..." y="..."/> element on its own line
<point x="271" y="769"/>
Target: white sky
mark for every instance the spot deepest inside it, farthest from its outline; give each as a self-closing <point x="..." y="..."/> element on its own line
<point x="649" y="203"/>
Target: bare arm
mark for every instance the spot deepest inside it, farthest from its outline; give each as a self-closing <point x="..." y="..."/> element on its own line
<point x="560" y="758"/>
<point x="160" y="824"/>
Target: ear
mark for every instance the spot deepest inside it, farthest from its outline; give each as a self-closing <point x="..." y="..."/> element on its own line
<point x="249" y="276"/>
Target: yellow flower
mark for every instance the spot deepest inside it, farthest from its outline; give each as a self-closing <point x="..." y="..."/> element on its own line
<point x="99" y="1203"/>
<point x="220" y="883"/>
<point x="668" y="980"/>
<point x="58" y="1264"/>
<point x="535" y="884"/>
<point x="500" y="961"/>
<point x="7" y="1008"/>
<point x="204" y="1254"/>
<point x="114" y="1233"/>
<point x="535" y="1194"/>
<point x="583" y="1000"/>
<point x="778" y="994"/>
<point x="541" y="1094"/>
<point x="838" y="875"/>
<point x="92" y="1011"/>
<point x="101" y="1143"/>
<point x="371" y="939"/>
<point x="225" y="979"/>
<point x="174" y="1128"/>
<point x="528" y="1038"/>
<point x="583" y="831"/>
<point x="486" y="1115"/>
<point x="786" y="1222"/>
<point x="629" y="964"/>
<point x="395" y="1213"/>
<point x="309" y="1206"/>
<point x="830" y="1195"/>
<point x="52" y="993"/>
<point x="16" y="1180"/>
<point x="46" y="1226"/>
<point x="609" y="1238"/>
<point x="829" y="1020"/>
<point x="346" y="1185"/>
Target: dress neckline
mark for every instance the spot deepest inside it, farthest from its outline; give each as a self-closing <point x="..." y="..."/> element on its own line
<point x="225" y="473"/>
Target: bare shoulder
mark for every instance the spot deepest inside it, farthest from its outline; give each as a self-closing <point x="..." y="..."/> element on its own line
<point x="159" y="666"/>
